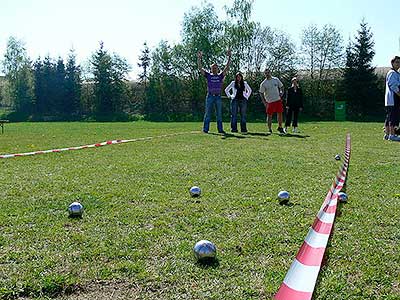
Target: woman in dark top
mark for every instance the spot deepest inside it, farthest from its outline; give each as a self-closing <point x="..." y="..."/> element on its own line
<point x="239" y="92"/>
<point x="294" y="105"/>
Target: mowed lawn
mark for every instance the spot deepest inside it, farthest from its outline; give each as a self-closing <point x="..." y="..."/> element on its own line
<point x="140" y="224"/>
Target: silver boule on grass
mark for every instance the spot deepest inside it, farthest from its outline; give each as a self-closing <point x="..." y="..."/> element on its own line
<point x="342" y="197"/>
<point x="283" y="197"/>
<point x="195" y="191"/>
<point x="75" y="210"/>
<point x="205" y="251"/>
<point x="337" y="157"/>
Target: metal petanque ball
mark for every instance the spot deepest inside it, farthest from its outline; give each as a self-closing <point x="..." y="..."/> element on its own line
<point x="75" y="209"/>
<point x="342" y="196"/>
<point x="205" y="250"/>
<point x="283" y="196"/>
<point x="337" y="157"/>
<point x="195" y="191"/>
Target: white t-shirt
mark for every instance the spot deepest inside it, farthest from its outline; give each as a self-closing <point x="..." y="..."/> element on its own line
<point x="270" y="88"/>
<point x="392" y="86"/>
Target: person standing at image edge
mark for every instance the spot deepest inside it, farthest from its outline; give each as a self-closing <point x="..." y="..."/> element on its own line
<point x="294" y="105"/>
<point x="392" y="100"/>
<point x="239" y="92"/>
<point x="271" y="91"/>
<point x="215" y="80"/>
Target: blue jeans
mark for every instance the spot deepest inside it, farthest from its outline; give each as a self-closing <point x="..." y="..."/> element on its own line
<point x="242" y="105"/>
<point x="212" y="100"/>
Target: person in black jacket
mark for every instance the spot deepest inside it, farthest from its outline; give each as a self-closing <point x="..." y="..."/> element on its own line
<point x="294" y="105"/>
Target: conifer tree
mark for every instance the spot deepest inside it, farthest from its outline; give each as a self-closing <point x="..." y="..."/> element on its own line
<point x="39" y="85"/>
<point x="102" y="64"/>
<point x="110" y="88"/>
<point x="144" y="63"/>
<point x="72" y="85"/>
<point x="360" y="82"/>
<point x="59" y="88"/>
<point x="49" y="87"/>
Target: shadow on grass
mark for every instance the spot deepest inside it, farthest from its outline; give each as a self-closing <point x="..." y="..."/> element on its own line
<point x="258" y="134"/>
<point x="75" y="217"/>
<point x="237" y="135"/>
<point x="208" y="263"/>
<point x="299" y="136"/>
<point x="226" y="135"/>
<point x="231" y="135"/>
<point x="288" y="203"/>
<point x="247" y="135"/>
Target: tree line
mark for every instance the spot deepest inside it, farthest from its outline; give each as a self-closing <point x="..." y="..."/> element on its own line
<point x="169" y="86"/>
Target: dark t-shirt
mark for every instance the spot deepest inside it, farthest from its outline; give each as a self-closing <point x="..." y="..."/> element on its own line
<point x="294" y="98"/>
<point x="239" y="92"/>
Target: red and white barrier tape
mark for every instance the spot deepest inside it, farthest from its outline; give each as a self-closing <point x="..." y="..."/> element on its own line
<point x="300" y="280"/>
<point x="113" y="142"/>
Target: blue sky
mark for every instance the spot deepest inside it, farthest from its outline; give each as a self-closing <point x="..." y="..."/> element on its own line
<point x="54" y="26"/>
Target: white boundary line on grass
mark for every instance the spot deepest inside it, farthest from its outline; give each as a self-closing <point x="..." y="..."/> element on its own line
<point x="112" y="142"/>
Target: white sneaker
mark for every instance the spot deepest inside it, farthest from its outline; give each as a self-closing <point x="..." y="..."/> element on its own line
<point x="295" y="130"/>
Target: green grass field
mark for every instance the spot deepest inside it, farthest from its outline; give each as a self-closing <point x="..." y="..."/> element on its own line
<point x="140" y="224"/>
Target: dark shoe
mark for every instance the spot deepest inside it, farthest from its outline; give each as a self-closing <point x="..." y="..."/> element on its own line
<point x="222" y="132"/>
<point x="234" y="130"/>
<point x="270" y="131"/>
<point x="205" y="131"/>
<point x="280" y="130"/>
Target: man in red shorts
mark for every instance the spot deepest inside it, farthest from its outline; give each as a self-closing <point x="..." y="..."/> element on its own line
<point x="271" y="91"/>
